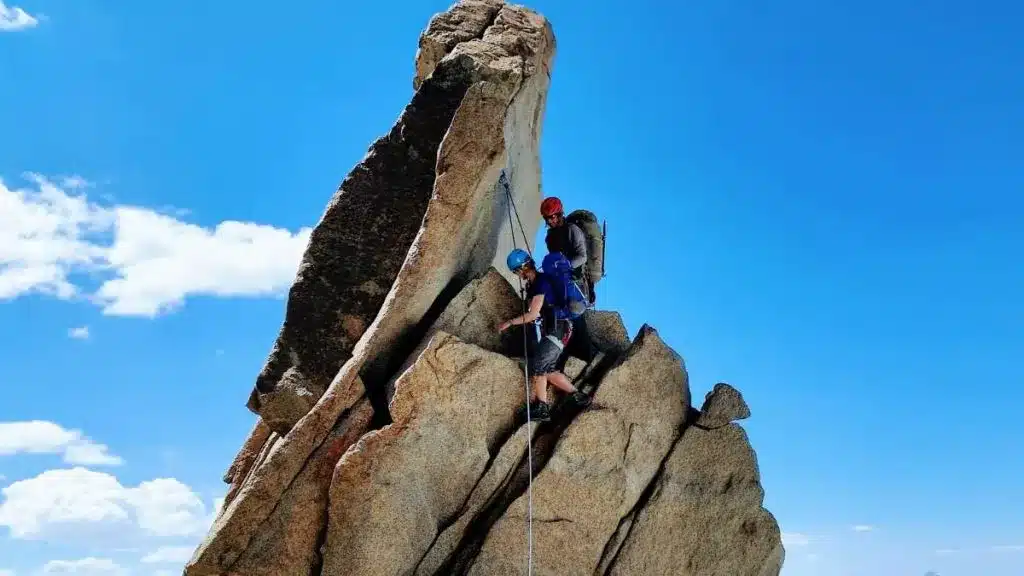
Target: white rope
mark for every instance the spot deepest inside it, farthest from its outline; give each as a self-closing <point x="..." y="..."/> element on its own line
<point x="526" y="380"/>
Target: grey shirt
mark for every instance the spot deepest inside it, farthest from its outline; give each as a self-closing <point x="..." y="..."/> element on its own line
<point x="576" y="248"/>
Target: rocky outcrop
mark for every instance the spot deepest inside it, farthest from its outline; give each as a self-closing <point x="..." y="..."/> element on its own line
<point x="608" y="455"/>
<point x="454" y="405"/>
<point x="705" y="514"/>
<point x="463" y="22"/>
<point x="724" y="404"/>
<point x="388" y="440"/>
<point x="607" y="330"/>
<point x="423" y="212"/>
<point x="472" y="316"/>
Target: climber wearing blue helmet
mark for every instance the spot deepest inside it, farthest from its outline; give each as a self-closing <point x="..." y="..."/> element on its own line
<point x="517" y="259"/>
<point x="543" y="356"/>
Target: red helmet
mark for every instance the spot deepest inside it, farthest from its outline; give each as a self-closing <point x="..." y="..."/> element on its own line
<point x="550" y="205"/>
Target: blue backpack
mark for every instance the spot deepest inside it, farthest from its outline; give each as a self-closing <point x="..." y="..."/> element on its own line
<point x="570" y="303"/>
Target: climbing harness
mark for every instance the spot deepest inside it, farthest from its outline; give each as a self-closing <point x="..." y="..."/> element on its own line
<point x="526" y="376"/>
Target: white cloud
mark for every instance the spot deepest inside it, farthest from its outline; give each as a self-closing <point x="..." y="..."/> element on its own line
<point x="13" y="19"/>
<point x="42" y="437"/>
<point x="169" y="555"/>
<point x="78" y="497"/>
<point x="6" y="572"/>
<point x="1003" y="548"/>
<point x="1009" y="548"/>
<point x="795" y="539"/>
<point x="80" y="333"/>
<point x="148" y="262"/>
<point x="863" y="528"/>
<point x="88" y="566"/>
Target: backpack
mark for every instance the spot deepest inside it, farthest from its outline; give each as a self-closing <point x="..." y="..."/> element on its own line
<point x="587" y="222"/>
<point x="570" y="302"/>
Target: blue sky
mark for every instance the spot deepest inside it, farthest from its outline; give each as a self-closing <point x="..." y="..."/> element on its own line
<point x="818" y="202"/>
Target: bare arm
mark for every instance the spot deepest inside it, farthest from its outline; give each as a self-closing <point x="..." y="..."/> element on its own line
<point x="532" y="314"/>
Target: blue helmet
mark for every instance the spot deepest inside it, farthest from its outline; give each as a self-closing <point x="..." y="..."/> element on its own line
<point x="517" y="258"/>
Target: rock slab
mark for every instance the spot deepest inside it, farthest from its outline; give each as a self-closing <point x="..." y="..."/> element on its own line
<point x="705" y="516"/>
<point x="400" y="484"/>
<point x="608" y="455"/>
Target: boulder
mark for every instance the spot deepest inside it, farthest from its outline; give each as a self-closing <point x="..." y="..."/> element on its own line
<point x="722" y="405"/>
<point x="472" y="316"/>
<point x="607" y="330"/>
<point x="498" y="475"/>
<point x="704" y="517"/>
<point x="403" y="483"/>
<point x="608" y="455"/>
<point x="462" y="22"/>
<point x="286" y="543"/>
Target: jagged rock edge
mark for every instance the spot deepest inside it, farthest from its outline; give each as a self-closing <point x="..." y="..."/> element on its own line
<point x="349" y="371"/>
<point x="545" y="441"/>
<point x="595" y="370"/>
<point x="645" y="496"/>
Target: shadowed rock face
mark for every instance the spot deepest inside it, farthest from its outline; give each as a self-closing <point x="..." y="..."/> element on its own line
<point x="394" y="313"/>
<point x="354" y="254"/>
<point x="421" y="211"/>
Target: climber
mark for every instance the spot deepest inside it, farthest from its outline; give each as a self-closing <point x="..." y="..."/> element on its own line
<point x="543" y="354"/>
<point x="569" y="239"/>
<point x="564" y="237"/>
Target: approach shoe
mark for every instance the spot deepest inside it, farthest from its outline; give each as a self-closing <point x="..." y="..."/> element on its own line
<point x="580" y="399"/>
<point x="539" y="411"/>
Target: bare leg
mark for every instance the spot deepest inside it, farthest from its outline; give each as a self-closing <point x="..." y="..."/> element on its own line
<point x="540" y="388"/>
<point x="561" y="381"/>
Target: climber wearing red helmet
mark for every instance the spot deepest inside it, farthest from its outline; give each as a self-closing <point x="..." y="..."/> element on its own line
<point x="564" y="237"/>
<point x="569" y="239"/>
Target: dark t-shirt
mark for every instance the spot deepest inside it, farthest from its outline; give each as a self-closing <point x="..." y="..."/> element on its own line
<point x="542" y="285"/>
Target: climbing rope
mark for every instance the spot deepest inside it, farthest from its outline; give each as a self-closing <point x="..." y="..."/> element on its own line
<point x="526" y="377"/>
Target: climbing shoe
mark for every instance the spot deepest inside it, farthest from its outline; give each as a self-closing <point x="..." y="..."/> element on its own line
<point x="580" y="399"/>
<point x="539" y="411"/>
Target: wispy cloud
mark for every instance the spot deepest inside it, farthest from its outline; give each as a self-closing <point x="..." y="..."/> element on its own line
<point x="863" y="528"/>
<point x="169" y="555"/>
<point x="80" y="333"/>
<point x="89" y="566"/>
<point x="1000" y="548"/>
<point x="14" y="18"/>
<point x="43" y="437"/>
<point x="147" y="262"/>
<point x="795" y="539"/>
<point x="1008" y="548"/>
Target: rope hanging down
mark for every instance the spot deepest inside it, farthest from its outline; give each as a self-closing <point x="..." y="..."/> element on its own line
<point x="526" y="377"/>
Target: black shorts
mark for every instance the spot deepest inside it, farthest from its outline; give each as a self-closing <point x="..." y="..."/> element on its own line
<point x="545" y="354"/>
